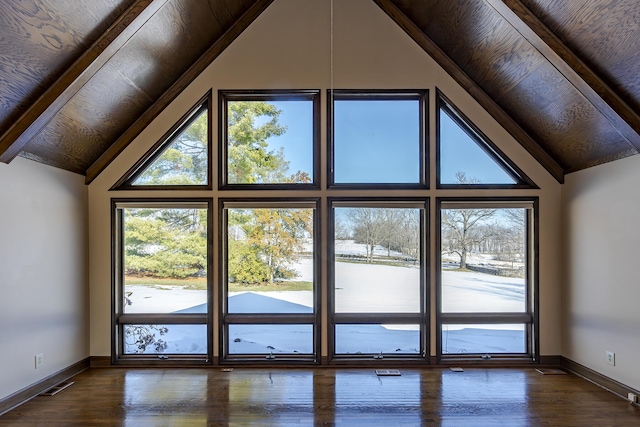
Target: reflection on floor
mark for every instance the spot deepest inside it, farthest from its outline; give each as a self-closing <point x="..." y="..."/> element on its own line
<point x="325" y="397"/>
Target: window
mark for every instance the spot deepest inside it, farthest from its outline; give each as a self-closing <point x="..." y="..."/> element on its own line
<point x="378" y="278"/>
<point x="377" y="138"/>
<point x="487" y="278"/>
<point x="162" y="301"/>
<point x="269" y="275"/>
<point x="466" y="157"/>
<point x="269" y="138"/>
<point x="326" y="264"/>
<point x="180" y="159"/>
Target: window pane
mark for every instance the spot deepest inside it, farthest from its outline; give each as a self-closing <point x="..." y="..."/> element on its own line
<point x="483" y="339"/>
<point x="377" y="141"/>
<point x="483" y="260"/>
<point x="165" y="339"/>
<point x="270" y="260"/>
<point x="377" y="260"/>
<point x="265" y="339"/>
<point x="165" y="260"/>
<point x="184" y="161"/>
<point x="270" y="142"/>
<point x="375" y="339"/>
<point x="465" y="160"/>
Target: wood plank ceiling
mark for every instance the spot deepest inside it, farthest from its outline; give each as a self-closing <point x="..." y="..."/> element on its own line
<point x="78" y="83"/>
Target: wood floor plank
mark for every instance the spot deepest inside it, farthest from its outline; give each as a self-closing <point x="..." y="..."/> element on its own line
<point x="325" y="397"/>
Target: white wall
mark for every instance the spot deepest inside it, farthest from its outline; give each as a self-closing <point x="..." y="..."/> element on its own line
<point x="43" y="273"/>
<point x="289" y="47"/>
<point x="601" y="209"/>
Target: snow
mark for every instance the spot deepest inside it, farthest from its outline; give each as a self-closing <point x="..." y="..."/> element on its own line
<point x="360" y="288"/>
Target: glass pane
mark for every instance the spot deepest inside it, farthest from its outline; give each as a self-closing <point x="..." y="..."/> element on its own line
<point x="165" y="260"/>
<point x="270" y="260"/>
<point x="483" y="260"/>
<point x="184" y="161"/>
<point x="270" y="142"/>
<point x="377" y="260"/>
<point x="375" y="339"/>
<point x="376" y="141"/>
<point x="483" y="339"/>
<point x="266" y="339"/>
<point x="165" y="339"/>
<point x="463" y="159"/>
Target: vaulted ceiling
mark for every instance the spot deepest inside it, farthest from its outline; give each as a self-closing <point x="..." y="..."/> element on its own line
<point x="80" y="80"/>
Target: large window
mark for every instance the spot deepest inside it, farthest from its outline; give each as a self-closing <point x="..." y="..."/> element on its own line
<point x="378" y="278"/>
<point x="487" y="281"/>
<point x="162" y="300"/>
<point x="269" y="276"/>
<point x="331" y="250"/>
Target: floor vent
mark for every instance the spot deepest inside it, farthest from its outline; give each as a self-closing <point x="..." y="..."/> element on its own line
<point x="57" y="388"/>
<point x="387" y="372"/>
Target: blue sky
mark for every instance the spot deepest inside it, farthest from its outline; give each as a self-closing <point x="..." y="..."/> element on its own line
<point x="378" y="142"/>
<point x="460" y="153"/>
<point x="297" y="141"/>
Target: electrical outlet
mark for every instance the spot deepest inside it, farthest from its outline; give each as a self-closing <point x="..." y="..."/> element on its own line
<point x="633" y="398"/>
<point x="611" y="358"/>
<point x="39" y="359"/>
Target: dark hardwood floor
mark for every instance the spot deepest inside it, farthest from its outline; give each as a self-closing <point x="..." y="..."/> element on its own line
<point x="325" y="397"/>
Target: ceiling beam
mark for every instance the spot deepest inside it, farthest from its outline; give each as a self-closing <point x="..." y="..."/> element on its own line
<point x="75" y="77"/>
<point x="584" y="79"/>
<point x="178" y="86"/>
<point x="472" y="88"/>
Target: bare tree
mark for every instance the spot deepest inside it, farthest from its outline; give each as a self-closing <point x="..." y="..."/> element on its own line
<point x="462" y="230"/>
<point x="368" y="228"/>
<point x="405" y="236"/>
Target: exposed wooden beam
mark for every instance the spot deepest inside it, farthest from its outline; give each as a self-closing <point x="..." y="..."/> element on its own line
<point x="472" y="88"/>
<point x="50" y="103"/>
<point x="584" y="79"/>
<point x="178" y="86"/>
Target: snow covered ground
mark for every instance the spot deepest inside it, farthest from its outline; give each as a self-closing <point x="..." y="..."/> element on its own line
<point x="359" y="288"/>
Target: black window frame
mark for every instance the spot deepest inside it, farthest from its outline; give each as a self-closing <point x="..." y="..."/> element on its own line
<point x="224" y="96"/>
<point x="422" y="318"/>
<point x="522" y="181"/>
<point x="420" y="95"/>
<point x="127" y="180"/>
<point x="226" y="319"/>
<point x="118" y="316"/>
<point x="529" y="318"/>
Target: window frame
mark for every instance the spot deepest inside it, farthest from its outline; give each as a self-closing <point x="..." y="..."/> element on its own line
<point x="443" y="104"/>
<point x="225" y="319"/>
<point x="118" y="316"/>
<point x="224" y="96"/>
<point x="529" y="318"/>
<point x="421" y="318"/>
<point x="126" y="182"/>
<point x="420" y="95"/>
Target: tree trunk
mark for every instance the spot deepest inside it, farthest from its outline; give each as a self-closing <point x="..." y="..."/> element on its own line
<point x="463" y="260"/>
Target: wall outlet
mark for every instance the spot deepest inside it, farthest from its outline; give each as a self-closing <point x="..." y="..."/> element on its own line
<point x="611" y="358"/>
<point x="39" y="359"/>
<point x="633" y="398"/>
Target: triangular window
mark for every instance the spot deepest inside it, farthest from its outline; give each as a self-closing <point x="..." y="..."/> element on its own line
<point x="179" y="159"/>
<point x="466" y="157"/>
